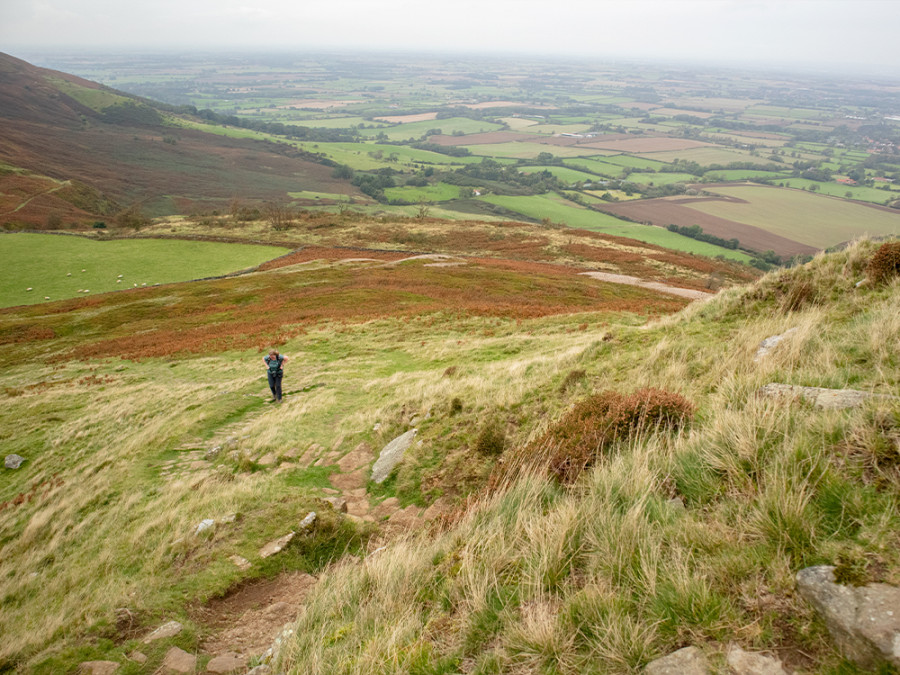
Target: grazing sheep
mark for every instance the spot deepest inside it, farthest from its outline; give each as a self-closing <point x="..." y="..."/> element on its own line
<point x="29" y="288"/>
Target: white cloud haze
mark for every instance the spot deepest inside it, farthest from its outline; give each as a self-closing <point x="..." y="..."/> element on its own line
<point x="857" y="34"/>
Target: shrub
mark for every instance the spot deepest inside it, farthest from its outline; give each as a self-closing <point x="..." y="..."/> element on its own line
<point x="587" y="430"/>
<point x="490" y="440"/>
<point x="456" y="405"/>
<point x="884" y="264"/>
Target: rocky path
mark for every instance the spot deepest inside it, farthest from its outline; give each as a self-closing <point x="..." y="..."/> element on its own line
<point x="242" y="626"/>
<point x="691" y="293"/>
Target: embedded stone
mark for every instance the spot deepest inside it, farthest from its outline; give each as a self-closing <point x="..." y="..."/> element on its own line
<point x="167" y="630"/>
<point x="391" y="455"/>
<point x="687" y="661"/>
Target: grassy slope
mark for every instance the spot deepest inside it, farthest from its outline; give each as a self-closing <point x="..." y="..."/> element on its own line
<point x="92" y="508"/>
<point x="60" y="267"/>
<point x="610" y="574"/>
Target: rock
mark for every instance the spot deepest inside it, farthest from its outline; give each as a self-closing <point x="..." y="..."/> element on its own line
<point x="391" y="455"/>
<point x="167" y="630"/>
<point x="241" y="563"/>
<point x="13" y="461"/>
<point x="260" y="670"/>
<point x="212" y="453"/>
<point x="864" y="621"/>
<point x="226" y="663"/>
<point x="98" y="667"/>
<point x="770" y="343"/>
<point x="687" y="661"/>
<point x="229" y="518"/>
<point x="179" y="661"/>
<point x="268" y="459"/>
<point x="359" y="456"/>
<point x="358" y="507"/>
<point x="405" y="519"/>
<point x="386" y="508"/>
<point x="339" y="504"/>
<point x="440" y="506"/>
<point x="749" y="663"/>
<point x="138" y="657"/>
<point x="349" y="481"/>
<point x="676" y="503"/>
<point x="829" y="399"/>
<point x="276" y="546"/>
<point x="307" y="523"/>
<point x="204" y="525"/>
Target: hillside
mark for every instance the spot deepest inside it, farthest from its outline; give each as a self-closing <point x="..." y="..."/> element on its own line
<point x="72" y="150"/>
<point x="142" y="415"/>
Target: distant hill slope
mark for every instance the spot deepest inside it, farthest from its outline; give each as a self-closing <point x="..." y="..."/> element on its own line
<point x="117" y="149"/>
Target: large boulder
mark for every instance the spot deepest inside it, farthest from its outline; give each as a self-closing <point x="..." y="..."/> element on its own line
<point x="13" y="461"/>
<point x="391" y="455"/>
<point x="864" y="621"/>
<point x="828" y="399"/>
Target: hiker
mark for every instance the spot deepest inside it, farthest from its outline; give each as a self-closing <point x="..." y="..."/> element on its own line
<point x="275" y="364"/>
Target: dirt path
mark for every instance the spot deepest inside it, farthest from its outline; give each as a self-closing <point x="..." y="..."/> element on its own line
<point x="652" y="285"/>
<point x="21" y="206"/>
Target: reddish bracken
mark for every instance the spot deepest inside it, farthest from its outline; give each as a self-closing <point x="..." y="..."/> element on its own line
<point x="885" y="263"/>
<point x="577" y="440"/>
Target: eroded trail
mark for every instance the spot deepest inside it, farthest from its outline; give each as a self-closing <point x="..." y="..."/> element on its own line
<point x="691" y="293"/>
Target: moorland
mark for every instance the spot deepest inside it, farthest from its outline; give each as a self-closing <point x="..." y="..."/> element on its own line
<point x="447" y="253"/>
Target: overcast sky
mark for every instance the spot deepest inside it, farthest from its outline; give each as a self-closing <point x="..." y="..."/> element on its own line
<point x="856" y="34"/>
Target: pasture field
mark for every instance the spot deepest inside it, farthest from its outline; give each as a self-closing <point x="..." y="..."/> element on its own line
<point x="447" y="126"/>
<point x="641" y="145"/>
<point x="552" y="129"/>
<point x="518" y="123"/>
<point x="558" y="210"/>
<point x="639" y="123"/>
<point x="729" y="138"/>
<point x="707" y="156"/>
<point x="369" y="156"/>
<point x="742" y="174"/>
<point x="564" y="174"/>
<point x="805" y="217"/>
<point x="859" y="192"/>
<point x="60" y="267"/>
<point x="525" y="150"/>
<point x="439" y="192"/>
<point x="661" y="178"/>
<point x="787" y="113"/>
<point x="339" y="122"/>
<point x="604" y="168"/>
<point x="634" y="162"/>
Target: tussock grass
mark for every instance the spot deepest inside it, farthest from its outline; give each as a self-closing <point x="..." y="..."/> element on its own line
<point x="675" y="538"/>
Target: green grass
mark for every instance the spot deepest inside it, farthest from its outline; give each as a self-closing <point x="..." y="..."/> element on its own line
<point x="633" y="162"/>
<point x="661" y="178"/>
<point x="606" y="169"/>
<point x="450" y="125"/>
<point x="308" y="194"/>
<point x="861" y="193"/>
<point x="44" y="262"/>
<point x="558" y="210"/>
<point x="527" y="150"/>
<point x="564" y="174"/>
<point x="741" y="174"/>
<point x="708" y="156"/>
<point x="95" y="99"/>
<point x="440" y="192"/>
<point x="811" y="219"/>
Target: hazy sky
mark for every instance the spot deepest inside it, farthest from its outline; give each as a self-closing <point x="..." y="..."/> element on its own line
<point x="860" y="34"/>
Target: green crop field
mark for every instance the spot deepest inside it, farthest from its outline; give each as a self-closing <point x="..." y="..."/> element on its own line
<point x="862" y="193"/>
<point x="811" y="219"/>
<point x="339" y="123"/>
<point x="558" y="128"/>
<point x="61" y="267"/>
<point x="440" y="192"/>
<point x="558" y="210"/>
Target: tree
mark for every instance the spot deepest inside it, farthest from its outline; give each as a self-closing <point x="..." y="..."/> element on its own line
<point x="280" y="216"/>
